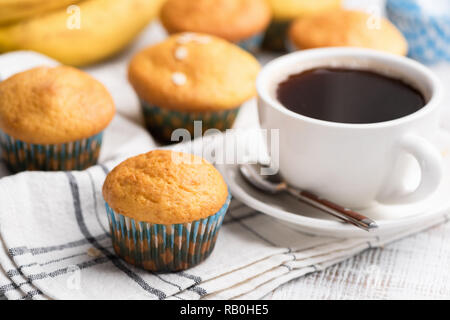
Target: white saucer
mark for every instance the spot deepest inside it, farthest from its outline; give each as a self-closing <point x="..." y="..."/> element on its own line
<point x="391" y="219"/>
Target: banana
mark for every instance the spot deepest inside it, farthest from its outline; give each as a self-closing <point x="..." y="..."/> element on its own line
<point x="91" y="32"/>
<point x="15" y="10"/>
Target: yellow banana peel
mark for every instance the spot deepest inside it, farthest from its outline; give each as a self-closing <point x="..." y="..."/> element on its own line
<point x="82" y="34"/>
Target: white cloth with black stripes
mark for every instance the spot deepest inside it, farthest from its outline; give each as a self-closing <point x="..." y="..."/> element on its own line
<point x="56" y="244"/>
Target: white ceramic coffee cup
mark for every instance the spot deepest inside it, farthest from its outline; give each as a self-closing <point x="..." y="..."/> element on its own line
<point x="355" y="165"/>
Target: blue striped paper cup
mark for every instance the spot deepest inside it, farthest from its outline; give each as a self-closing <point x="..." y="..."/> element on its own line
<point x="252" y="44"/>
<point x="161" y="122"/>
<point x="78" y="155"/>
<point x="164" y="248"/>
<point x="428" y="35"/>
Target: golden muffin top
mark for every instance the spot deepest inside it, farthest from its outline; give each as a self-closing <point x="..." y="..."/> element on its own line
<point x="349" y="29"/>
<point x="165" y="187"/>
<point x="233" y="20"/>
<point x="292" y="9"/>
<point x="194" y="72"/>
<point x="54" y="105"/>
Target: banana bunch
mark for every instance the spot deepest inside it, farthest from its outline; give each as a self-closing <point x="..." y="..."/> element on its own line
<point x="15" y="10"/>
<point x="72" y="31"/>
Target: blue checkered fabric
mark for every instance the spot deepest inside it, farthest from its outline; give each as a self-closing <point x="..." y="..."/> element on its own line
<point x="428" y="35"/>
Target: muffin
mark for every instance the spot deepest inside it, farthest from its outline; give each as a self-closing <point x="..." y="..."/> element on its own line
<point x="192" y="77"/>
<point x="345" y="28"/>
<point x="285" y="11"/>
<point x="165" y="209"/>
<point x="239" y="21"/>
<point x="52" y="119"/>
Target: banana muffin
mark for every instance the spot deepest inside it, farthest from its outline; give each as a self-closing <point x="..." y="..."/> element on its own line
<point x="346" y="28"/>
<point x="240" y="21"/>
<point x="165" y="209"/>
<point x="192" y="77"/>
<point x="52" y="119"/>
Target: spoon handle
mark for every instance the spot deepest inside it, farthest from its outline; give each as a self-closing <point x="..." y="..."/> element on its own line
<point x="336" y="210"/>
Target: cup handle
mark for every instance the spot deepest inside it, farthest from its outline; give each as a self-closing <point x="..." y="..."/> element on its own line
<point x="431" y="166"/>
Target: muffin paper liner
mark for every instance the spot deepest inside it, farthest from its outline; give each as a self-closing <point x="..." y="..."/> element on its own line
<point x="276" y="34"/>
<point x="164" y="248"/>
<point x="162" y="122"/>
<point x="252" y="44"/>
<point x="428" y="35"/>
<point x="77" y="155"/>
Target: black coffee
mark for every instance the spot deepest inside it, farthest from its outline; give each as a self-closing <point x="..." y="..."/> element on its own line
<point x="349" y="96"/>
